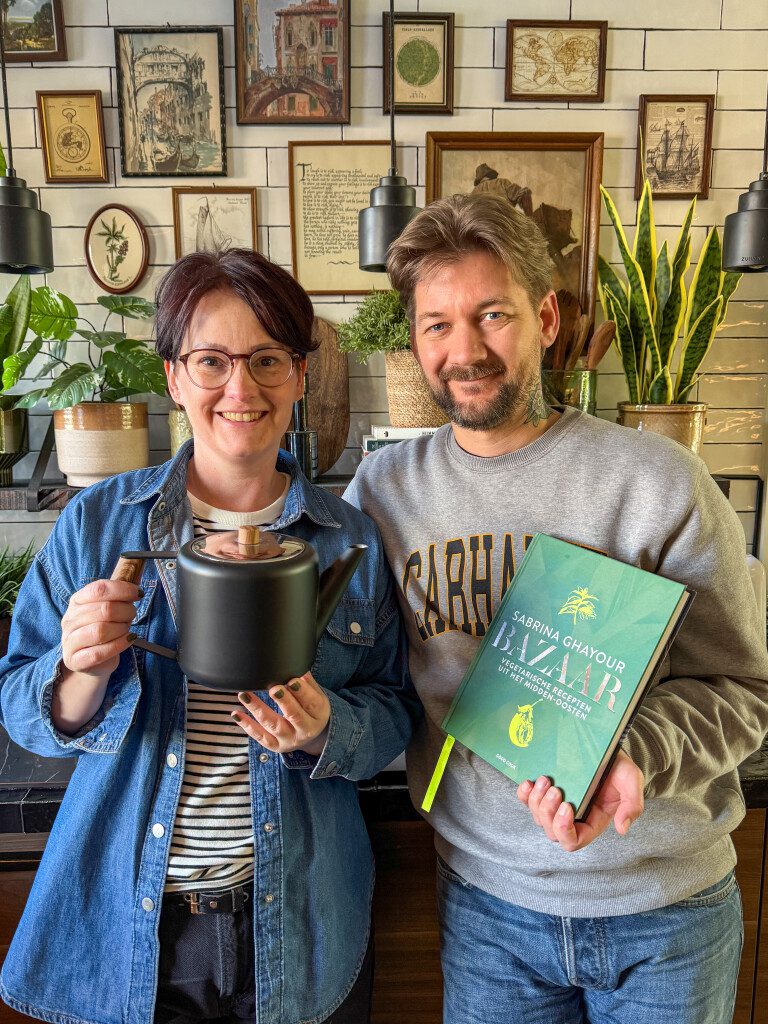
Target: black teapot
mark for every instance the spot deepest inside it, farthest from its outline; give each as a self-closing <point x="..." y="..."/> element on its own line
<point x="252" y="605"/>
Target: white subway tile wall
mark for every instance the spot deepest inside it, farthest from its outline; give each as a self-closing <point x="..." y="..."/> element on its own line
<point x="710" y="46"/>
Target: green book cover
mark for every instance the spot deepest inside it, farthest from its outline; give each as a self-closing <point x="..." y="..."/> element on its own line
<point x="567" y="658"/>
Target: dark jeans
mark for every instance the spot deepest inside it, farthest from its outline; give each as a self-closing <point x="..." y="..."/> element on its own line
<point x="206" y="971"/>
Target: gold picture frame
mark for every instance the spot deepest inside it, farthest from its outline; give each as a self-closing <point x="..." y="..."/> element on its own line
<point x="72" y="136"/>
<point x="329" y="183"/>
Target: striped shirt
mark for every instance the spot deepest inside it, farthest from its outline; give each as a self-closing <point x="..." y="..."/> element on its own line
<point x="212" y="840"/>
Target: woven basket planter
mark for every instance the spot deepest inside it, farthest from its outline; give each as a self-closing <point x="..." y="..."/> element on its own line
<point x="410" y="401"/>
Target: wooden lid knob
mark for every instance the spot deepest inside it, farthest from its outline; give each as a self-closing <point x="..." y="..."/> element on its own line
<point x="248" y="536"/>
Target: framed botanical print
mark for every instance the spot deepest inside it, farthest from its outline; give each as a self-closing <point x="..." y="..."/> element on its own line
<point x="170" y="84"/>
<point x="116" y="248"/>
<point x="556" y="61"/>
<point x="330" y="182"/>
<point x="553" y="177"/>
<point x="33" y="31"/>
<point x="292" y="61"/>
<point x="72" y="136"/>
<point x="213" y="219"/>
<point x="674" y="146"/>
<point x="423" y="64"/>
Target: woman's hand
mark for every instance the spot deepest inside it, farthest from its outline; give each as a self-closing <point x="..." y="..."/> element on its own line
<point x="619" y="798"/>
<point x="94" y="633"/>
<point x="302" y="724"/>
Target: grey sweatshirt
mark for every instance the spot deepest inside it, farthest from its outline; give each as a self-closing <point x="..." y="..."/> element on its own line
<point x="454" y="526"/>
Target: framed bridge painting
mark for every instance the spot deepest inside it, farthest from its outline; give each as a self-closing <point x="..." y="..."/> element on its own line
<point x="170" y="85"/>
<point x="292" y="61"/>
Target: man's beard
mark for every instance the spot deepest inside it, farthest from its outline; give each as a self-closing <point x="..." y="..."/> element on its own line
<point x="472" y="414"/>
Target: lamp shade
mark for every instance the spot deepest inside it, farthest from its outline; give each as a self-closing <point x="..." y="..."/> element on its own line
<point x="745" y="233"/>
<point x="393" y="205"/>
<point x="26" y="243"/>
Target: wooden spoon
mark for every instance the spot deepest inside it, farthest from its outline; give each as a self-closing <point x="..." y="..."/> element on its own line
<point x="601" y="342"/>
<point x="570" y="311"/>
<point x="583" y="325"/>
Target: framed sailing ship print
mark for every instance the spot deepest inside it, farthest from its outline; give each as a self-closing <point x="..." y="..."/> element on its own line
<point x="170" y="86"/>
<point x="213" y="219"/>
<point x="674" y="148"/>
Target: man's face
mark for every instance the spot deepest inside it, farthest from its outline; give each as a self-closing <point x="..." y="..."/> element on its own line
<point x="480" y="341"/>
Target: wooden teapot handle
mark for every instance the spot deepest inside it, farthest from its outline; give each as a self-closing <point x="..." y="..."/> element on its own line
<point x="128" y="569"/>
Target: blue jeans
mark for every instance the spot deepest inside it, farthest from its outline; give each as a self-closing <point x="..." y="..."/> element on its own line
<point x="501" y="963"/>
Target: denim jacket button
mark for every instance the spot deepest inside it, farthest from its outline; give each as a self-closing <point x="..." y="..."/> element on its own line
<point x="269" y="898"/>
<point x="172" y="760"/>
<point x="147" y="904"/>
<point x="263" y="758"/>
<point x="355" y="627"/>
<point x="331" y="768"/>
<point x="157" y="830"/>
<point x="268" y="826"/>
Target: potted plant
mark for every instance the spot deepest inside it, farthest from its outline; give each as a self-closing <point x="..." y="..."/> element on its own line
<point x="14" y="429"/>
<point x="380" y="324"/>
<point x="97" y="432"/>
<point x="13" y="569"/>
<point x="663" y="331"/>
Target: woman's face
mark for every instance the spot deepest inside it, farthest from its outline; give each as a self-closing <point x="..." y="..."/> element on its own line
<point x="241" y="422"/>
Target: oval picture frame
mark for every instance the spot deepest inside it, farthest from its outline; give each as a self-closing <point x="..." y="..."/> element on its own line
<point x="116" y="248"/>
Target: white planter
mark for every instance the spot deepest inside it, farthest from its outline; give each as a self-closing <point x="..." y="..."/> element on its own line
<point x="95" y="440"/>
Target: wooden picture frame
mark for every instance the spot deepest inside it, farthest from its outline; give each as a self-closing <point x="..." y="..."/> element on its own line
<point x="329" y="183"/>
<point x="186" y="137"/>
<point x="553" y="61"/>
<point x="30" y="39"/>
<point x="674" y="145"/>
<point x="554" y="177"/>
<point x="292" y="71"/>
<point x="72" y="136"/>
<point x="213" y="219"/>
<point x="116" y="248"/>
<point x="423" y="63"/>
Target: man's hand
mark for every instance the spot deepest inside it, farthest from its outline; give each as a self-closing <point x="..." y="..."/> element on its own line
<point x="619" y="798"/>
<point x="302" y="725"/>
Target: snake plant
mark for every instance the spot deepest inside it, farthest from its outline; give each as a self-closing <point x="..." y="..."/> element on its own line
<point x="658" y="322"/>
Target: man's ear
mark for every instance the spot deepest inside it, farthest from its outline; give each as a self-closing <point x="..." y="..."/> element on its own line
<point x="549" y="319"/>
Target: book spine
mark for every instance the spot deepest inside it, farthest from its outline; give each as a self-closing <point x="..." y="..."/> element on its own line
<point x="372" y="444"/>
<point x="400" y="433"/>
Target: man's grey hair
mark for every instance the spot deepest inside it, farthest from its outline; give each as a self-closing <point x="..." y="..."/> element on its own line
<point x="449" y="229"/>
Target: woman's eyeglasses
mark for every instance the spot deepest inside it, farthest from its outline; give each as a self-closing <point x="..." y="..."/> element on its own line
<point x="211" y="368"/>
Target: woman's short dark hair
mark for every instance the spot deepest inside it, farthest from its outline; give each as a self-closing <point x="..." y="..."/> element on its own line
<point x="281" y="305"/>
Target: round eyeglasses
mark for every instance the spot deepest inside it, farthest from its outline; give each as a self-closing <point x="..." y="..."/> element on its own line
<point x="211" y="368"/>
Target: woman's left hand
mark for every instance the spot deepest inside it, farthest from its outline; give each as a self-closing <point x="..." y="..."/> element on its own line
<point x="302" y="724"/>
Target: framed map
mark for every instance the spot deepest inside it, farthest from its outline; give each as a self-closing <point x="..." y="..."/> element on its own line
<point x="553" y="177"/>
<point x="556" y="60"/>
<point x="674" y="147"/>
<point x="423" y="63"/>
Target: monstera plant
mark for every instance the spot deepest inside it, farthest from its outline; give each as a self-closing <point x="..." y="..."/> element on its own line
<point x="664" y="328"/>
<point x="88" y="396"/>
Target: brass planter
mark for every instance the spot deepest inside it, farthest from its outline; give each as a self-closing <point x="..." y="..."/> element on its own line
<point x="179" y="428"/>
<point x="683" y="423"/>
<point x="95" y="440"/>
<point x="410" y="401"/>
<point x="14" y="441"/>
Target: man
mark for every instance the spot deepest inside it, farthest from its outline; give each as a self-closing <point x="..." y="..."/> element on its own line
<point x="545" y="919"/>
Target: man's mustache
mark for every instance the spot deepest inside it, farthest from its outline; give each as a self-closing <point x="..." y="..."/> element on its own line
<point x="475" y="371"/>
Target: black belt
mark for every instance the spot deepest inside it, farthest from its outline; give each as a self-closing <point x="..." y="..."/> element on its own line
<point x="228" y="901"/>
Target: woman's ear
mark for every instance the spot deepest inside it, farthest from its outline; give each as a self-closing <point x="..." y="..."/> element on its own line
<point x="301" y="372"/>
<point x="173" y="384"/>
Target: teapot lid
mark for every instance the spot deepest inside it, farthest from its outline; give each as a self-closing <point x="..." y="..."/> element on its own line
<point x="248" y="544"/>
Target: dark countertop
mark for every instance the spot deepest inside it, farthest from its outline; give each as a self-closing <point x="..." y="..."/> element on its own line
<point x="31" y="789"/>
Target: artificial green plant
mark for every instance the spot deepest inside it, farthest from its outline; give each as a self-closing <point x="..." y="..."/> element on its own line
<point x="380" y="324"/>
<point x="658" y="322"/>
<point x="117" y="367"/>
<point x="14" y="566"/>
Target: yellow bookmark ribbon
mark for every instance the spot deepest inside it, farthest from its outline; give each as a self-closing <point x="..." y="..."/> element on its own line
<point x="437" y="774"/>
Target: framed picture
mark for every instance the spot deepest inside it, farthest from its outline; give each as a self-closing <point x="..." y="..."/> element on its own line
<point x="556" y="60"/>
<point x="213" y="219"/>
<point x="330" y="182"/>
<point x="674" y="146"/>
<point x="423" y="63"/>
<point x="170" y="84"/>
<point x="33" y="31"/>
<point x="553" y="177"/>
<point x="116" y="248"/>
<point x="292" y="61"/>
<point x="72" y="135"/>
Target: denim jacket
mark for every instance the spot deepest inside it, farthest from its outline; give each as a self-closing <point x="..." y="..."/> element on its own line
<point x="87" y="948"/>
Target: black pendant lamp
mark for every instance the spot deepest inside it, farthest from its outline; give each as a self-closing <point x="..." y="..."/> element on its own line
<point x="26" y="243"/>
<point x="745" y="234"/>
<point x="393" y="201"/>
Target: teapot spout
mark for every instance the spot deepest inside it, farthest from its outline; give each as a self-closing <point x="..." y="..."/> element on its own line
<point x="334" y="581"/>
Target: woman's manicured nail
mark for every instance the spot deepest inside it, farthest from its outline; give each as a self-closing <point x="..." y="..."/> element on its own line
<point x="295" y="685"/>
<point x="278" y="694"/>
<point x="235" y="715"/>
<point x="141" y="592"/>
<point x="132" y="637"/>
<point x="245" y="697"/>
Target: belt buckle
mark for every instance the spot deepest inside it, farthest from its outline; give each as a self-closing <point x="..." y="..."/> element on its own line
<point x="193" y="901"/>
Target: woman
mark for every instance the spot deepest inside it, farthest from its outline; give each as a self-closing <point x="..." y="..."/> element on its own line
<point x="192" y="874"/>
